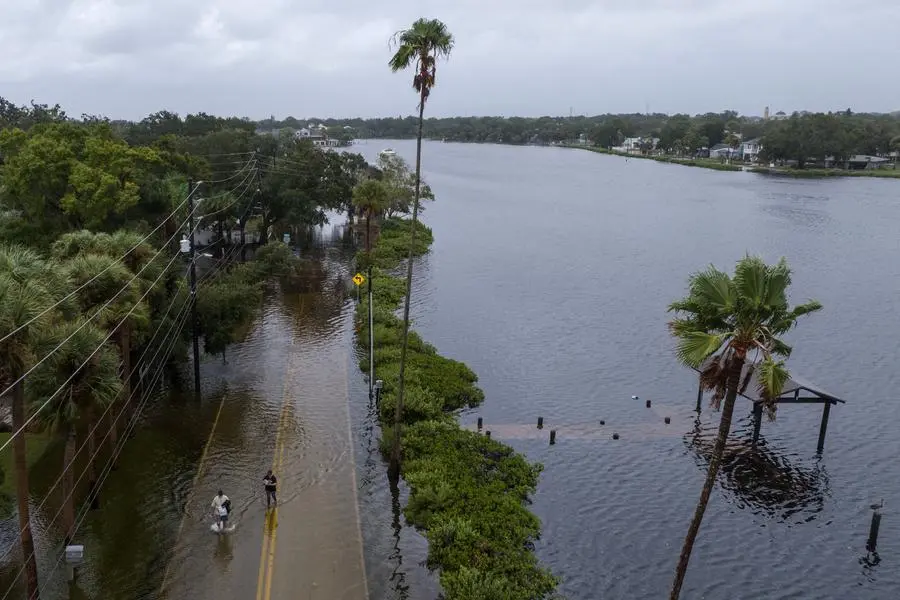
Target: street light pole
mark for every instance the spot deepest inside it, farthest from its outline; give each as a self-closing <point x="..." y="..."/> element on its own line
<point x="193" y="252"/>
<point x="371" y="339"/>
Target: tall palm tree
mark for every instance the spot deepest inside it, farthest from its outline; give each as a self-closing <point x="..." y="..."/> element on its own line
<point x="370" y="198"/>
<point x="90" y="380"/>
<point x="733" y="321"/>
<point x="420" y="46"/>
<point x="28" y="287"/>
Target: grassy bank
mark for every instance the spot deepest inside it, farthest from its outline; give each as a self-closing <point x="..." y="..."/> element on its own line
<point x="717" y="165"/>
<point x="821" y="173"/>
<point x="468" y="493"/>
<point x="705" y="163"/>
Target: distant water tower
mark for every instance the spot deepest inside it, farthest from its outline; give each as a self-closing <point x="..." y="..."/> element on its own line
<point x="766" y="114"/>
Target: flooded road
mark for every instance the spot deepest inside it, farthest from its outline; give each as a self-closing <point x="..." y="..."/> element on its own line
<point x="280" y="402"/>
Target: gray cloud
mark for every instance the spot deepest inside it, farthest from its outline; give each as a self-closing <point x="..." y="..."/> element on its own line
<point x="126" y="58"/>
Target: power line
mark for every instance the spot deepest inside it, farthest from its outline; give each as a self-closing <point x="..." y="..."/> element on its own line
<point x="110" y="405"/>
<point x="108" y="267"/>
<point x="106" y="469"/>
<point x="116" y="295"/>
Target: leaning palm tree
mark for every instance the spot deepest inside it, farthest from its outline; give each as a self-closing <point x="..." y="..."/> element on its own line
<point x="722" y="325"/>
<point x="87" y="370"/>
<point x="419" y="46"/>
<point x="29" y="286"/>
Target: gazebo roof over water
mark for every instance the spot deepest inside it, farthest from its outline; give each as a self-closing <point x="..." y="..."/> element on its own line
<point x="796" y="389"/>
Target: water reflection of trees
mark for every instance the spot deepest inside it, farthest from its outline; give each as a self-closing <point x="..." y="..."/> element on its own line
<point x="762" y="479"/>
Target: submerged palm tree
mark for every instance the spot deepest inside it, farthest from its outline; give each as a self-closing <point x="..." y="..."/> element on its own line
<point x="29" y="286"/>
<point x="420" y="46"/>
<point x="722" y="325"/>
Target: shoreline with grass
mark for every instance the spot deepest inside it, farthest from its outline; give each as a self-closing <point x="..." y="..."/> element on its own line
<point x="468" y="493"/>
<point x="717" y="165"/>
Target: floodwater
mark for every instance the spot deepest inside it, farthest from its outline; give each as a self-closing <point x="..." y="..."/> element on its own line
<point x="550" y="275"/>
<point x="282" y="402"/>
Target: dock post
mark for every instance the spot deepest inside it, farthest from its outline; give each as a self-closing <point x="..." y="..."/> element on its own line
<point x="552" y="436"/>
<point x="540" y="424"/>
<point x="757" y="421"/>
<point x="826" y="410"/>
<point x="699" y="397"/>
<point x="872" y="542"/>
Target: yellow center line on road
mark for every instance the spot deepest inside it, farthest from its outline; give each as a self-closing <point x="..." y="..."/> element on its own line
<point x="200" y="465"/>
<point x="270" y="525"/>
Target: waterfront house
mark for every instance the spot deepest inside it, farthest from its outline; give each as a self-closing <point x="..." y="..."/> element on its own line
<point x="865" y="161"/>
<point x="722" y="151"/>
<point x="749" y="150"/>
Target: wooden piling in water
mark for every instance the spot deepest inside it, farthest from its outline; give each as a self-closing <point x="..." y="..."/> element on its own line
<point x="540" y="422"/>
<point x="479" y="423"/>
<point x="552" y="436"/>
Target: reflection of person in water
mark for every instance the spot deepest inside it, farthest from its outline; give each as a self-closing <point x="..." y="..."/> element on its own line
<point x="224" y="552"/>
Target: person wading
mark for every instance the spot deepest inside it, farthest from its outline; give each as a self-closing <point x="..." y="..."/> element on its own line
<point x="270" y="482"/>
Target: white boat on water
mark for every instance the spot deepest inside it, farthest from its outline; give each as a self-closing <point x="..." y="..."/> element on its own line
<point x="387" y="152"/>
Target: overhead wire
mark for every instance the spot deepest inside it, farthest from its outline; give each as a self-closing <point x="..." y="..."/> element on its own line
<point x="116" y="295"/>
<point x="95" y="277"/>
<point x="137" y="365"/>
<point x="113" y="458"/>
<point x="182" y="315"/>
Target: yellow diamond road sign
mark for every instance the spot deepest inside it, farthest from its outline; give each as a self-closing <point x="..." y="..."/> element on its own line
<point x="358" y="279"/>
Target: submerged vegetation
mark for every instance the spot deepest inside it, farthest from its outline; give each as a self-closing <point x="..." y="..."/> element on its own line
<point x="468" y="493"/>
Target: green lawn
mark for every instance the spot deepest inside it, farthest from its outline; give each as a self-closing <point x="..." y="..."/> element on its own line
<point x="37" y="444"/>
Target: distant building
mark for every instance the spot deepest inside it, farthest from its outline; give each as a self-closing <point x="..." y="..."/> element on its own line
<point x="312" y="132"/>
<point x="749" y="150"/>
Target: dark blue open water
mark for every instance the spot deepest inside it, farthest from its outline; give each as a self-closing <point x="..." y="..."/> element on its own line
<point x="550" y="274"/>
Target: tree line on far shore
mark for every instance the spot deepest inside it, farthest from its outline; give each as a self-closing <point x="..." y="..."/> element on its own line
<point x="839" y="133"/>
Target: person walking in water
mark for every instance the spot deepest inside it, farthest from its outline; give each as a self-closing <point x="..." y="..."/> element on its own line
<point x="270" y="482"/>
<point x="221" y="506"/>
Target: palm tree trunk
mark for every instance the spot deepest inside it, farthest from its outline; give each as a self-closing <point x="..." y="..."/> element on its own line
<point x="125" y="395"/>
<point x="369" y="232"/>
<point x="91" y="451"/>
<point x="394" y="466"/>
<point x="715" y="461"/>
<point x="20" y="460"/>
<point x="68" y="488"/>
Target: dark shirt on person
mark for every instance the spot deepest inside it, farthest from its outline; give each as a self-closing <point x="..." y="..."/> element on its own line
<point x="270" y="481"/>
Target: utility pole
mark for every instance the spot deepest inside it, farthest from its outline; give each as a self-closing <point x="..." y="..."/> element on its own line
<point x="193" y="253"/>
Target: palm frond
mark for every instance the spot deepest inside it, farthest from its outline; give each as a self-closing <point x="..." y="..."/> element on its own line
<point x="779" y="348"/>
<point x="750" y="276"/>
<point x="779" y="279"/>
<point x="681" y="326"/>
<point x="694" y="347"/>
<point x="713" y="287"/>
<point x="714" y="378"/>
<point x="772" y="377"/>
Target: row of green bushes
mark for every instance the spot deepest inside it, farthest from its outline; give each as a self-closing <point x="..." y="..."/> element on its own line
<point x="468" y="493"/>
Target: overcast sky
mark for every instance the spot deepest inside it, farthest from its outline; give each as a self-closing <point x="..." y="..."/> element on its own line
<point x="127" y="58"/>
